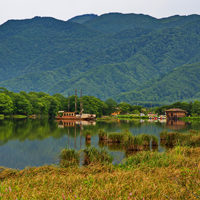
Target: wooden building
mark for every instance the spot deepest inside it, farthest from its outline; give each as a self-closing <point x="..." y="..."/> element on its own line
<point x="175" y="113"/>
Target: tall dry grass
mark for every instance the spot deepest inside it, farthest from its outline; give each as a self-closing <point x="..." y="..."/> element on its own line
<point x="174" y="174"/>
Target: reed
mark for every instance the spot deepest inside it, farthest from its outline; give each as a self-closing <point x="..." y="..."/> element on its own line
<point x="191" y="139"/>
<point x="146" y="175"/>
<point x="154" y="141"/>
<point x="102" y="134"/>
<point x="87" y="134"/>
<point x="69" y="157"/>
<point x="115" y="137"/>
<point x="133" y="144"/>
<point x="146" y="139"/>
<point x="94" y="155"/>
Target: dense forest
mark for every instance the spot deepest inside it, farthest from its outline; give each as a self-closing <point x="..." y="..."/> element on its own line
<point x="40" y="103"/>
<point x="127" y="57"/>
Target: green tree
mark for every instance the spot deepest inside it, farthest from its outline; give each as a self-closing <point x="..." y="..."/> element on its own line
<point x="6" y="104"/>
<point x="21" y="105"/>
<point x="196" y="108"/>
<point x="111" y="106"/>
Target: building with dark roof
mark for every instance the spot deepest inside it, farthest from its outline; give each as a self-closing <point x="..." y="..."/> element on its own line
<point x="175" y="113"/>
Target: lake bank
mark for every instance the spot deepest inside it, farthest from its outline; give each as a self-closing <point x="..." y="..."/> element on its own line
<point x="161" y="176"/>
<point x="187" y="119"/>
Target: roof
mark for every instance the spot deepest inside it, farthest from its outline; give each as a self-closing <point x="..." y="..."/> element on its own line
<point x="175" y="110"/>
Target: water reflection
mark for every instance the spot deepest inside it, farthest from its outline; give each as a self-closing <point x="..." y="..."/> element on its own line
<point x="30" y="142"/>
<point x="176" y="124"/>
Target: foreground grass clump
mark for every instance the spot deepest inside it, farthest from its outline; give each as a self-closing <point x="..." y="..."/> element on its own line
<point x="69" y="157"/>
<point x="94" y="155"/>
<point x="147" y="175"/>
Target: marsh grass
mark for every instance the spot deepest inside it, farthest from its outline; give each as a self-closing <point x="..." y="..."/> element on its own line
<point x="87" y="143"/>
<point x="154" y="141"/>
<point x="146" y="139"/>
<point x="115" y="137"/>
<point x="69" y="157"/>
<point x="171" y="139"/>
<point x="134" y="143"/>
<point x="87" y="134"/>
<point x="95" y="155"/>
<point x="102" y="134"/>
<point x="173" y="174"/>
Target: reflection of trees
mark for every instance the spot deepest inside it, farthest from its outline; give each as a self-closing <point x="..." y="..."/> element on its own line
<point x="28" y="129"/>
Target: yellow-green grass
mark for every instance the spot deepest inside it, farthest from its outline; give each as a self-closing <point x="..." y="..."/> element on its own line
<point x="1" y="116"/>
<point x="16" y="116"/>
<point x="132" y="116"/>
<point x="102" y="134"/>
<point x="169" y="175"/>
<point x="191" y="139"/>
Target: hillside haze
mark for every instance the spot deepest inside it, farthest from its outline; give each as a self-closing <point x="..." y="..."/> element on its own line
<point x="128" y="57"/>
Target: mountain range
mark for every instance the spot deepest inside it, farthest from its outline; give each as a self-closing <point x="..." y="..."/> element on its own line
<point x="128" y="57"/>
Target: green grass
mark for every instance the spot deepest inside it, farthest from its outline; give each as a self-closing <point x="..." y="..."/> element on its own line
<point x="191" y="139"/>
<point x="16" y="116"/>
<point x="187" y="119"/>
<point x="102" y="134"/>
<point x="69" y="157"/>
<point x="132" y="117"/>
<point x="95" y="155"/>
<point x="1" y="116"/>
<point x="173" y="174"/>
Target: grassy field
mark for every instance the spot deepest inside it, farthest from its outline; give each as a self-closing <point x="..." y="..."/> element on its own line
<point x="1" y="116"/>
<point x="147" y="175"/>
<point x="190" y="118"/>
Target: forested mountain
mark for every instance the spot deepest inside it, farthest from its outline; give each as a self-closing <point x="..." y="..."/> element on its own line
<point x="181" y="83"/>
<point x="103" y="55"/>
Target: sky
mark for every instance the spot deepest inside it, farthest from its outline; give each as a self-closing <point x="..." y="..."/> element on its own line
<point x="66" y="9"/>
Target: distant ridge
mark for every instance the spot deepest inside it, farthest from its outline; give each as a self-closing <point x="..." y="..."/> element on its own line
<point x="82" y="18"/>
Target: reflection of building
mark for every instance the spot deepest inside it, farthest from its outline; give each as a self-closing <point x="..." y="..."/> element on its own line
<point x="175" y="113"/>
<point x="175" y="124"/>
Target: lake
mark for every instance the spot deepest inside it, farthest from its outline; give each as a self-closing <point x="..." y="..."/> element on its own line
<point x="35" y="142"/>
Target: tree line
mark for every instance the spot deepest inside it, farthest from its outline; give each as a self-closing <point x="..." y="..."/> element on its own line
<point x="40" y="103"/>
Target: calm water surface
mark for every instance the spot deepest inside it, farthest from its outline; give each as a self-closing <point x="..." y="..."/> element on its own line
<point x="32" y="142"/>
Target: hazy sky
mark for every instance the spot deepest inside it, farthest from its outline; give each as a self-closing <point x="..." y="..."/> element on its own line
<point x="66" y="9"/>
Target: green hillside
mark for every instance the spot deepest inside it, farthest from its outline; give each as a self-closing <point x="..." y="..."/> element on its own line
<point x="106" y="56"/>
<point x="106" y="80"/>
<point x="180" y="84"/>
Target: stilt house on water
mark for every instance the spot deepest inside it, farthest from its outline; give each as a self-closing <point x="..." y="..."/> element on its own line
<point x="175" y="113"/>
